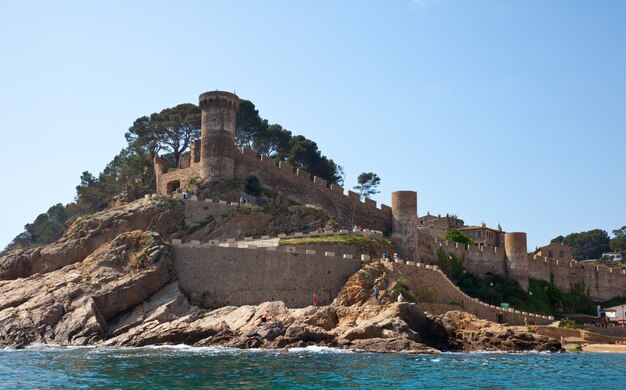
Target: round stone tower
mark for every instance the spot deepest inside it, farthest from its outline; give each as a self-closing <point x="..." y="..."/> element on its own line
<point x="403" y="210"/>
<point x="516" y="258"/>
<point x="404" y="223"/>
<point x="219" y="119"/>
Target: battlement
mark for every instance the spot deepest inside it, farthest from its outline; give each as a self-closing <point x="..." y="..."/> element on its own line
<point x="575" y="264"/>
<point x="214" y="276"/>
<point x="270" y="241"/>
<point x="219" y="99"/>
<point x="301" y="186"/>
<point x="601" y="283"/>
<point x="474" y="305"/>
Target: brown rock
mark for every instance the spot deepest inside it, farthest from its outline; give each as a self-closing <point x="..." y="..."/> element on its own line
<point x="72" y="305"/>
<point x="87" y="234"/>
<point x="386" y="345"/>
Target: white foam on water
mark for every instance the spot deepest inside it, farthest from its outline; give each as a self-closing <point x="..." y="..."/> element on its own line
<point x="316" y="349"/>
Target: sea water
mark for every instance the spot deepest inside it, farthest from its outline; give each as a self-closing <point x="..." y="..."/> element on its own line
<point x="314" y="367"/>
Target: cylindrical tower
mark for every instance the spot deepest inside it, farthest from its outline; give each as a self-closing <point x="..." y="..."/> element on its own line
<point x="516" y="258"/>
<point x="403" y="209"/>
<point x="219" y="119"/>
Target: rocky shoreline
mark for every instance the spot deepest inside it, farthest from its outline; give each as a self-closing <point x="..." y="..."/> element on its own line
<point x="101" y="285"/>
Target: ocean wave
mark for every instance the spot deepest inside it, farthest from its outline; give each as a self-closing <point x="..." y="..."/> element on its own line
<point x="316" y="349"/>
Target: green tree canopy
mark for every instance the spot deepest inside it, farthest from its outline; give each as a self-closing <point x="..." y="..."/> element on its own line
<point x="249" y="124"/>
<point x="171" y="130"/>
<point x="367" y="184"/>
<point x="456" y="236"/>
<point x="618" y="244"/>
<point x="586" y="245"/>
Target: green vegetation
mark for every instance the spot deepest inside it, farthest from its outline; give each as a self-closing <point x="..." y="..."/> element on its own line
<point x="200" y="225"/>
<point x="252" y="186"/>
<point x="274" y="141"/>
<point x="456" y="236"/>
<point x="451" y="264"/>
<point x="402" y="287"/>
<point x="586" y="245"/>
<point x="618" y="244"/>
<point x="363" y="243"/>
<point x="367" y="184"/>
<point x="542" y="296"/>
<point x="172" y="130"/>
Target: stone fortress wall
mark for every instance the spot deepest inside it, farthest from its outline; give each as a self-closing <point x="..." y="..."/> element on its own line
<point x="299" y="186"/>
<point x="213" y="276"/>
<point x="215" y="157"/>
<point x="446" y="292"/>
<point x="600" y="282"/>
<point x="210" y="275"/>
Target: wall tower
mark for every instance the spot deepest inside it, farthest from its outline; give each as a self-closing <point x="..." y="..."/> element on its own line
<point x="404" y="222"/>
<point x="516" y="258"/>
<point x="219" y="118"/>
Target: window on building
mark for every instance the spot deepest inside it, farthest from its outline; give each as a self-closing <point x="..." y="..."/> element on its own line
<point x="549" y="253"/>
<point x="489" y="234"/>
<point x="479" y="233"/>
<point x="561" y="253"/>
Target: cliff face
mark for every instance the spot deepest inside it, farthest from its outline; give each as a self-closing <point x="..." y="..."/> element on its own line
<point x="110" y="280"/>
<point x="87" y="234"/>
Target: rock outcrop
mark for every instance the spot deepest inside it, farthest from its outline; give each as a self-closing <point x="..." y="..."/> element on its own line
<point x="110" y="281"/>
<point x="87" y="234"/>
<point x="72" y="305"/>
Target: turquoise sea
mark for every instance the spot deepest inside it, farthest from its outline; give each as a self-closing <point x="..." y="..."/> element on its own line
<point x="185" y="367"/>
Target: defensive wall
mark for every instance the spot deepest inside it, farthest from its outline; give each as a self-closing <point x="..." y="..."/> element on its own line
<point x="601" y="283"/>
<point x="477" y="260"/>
<point x="445" y="292"/>
<point x="214" y="276"/>
<point x="229" y="272"/>
<point x="301" y="187"/>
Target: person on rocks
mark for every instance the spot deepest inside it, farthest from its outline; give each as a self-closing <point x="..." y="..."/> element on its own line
<point x="185" y="194"/>
<point x="264" y="316"/>
<point x="314" y="299"/>
<point x="376" y="294"/>
<point x="400" y="297"/>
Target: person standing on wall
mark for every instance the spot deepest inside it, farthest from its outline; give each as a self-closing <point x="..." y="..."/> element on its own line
<point x="314" y="299"/>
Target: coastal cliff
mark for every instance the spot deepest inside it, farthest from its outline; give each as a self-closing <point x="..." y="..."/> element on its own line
<point x="111" y="280"/>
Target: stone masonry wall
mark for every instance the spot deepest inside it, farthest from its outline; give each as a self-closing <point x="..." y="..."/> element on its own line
<point x="299" y="186"/>
<point x="443" y="291"/>
<point x="197" y="210"/>
<point x="477" y="261"/>
<point x="183" y="175"/>
<point x="213" y="276"/>
<point x="602" y="283"/>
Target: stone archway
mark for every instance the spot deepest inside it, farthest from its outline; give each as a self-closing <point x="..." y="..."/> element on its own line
<point x="172" y="186"/>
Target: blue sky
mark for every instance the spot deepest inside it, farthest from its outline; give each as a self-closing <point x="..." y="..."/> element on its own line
<point x="498" y="111"/>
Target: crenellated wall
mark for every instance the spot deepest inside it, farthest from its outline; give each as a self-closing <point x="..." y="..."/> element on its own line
<point x="601" y="283"/>
<point x="299" y="186"/>
<point x="477" y="260"/>
<point x="214" y="276"/>
<point x="443" y="291"/>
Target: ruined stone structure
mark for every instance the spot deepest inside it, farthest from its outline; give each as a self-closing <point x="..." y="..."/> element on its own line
<point x="214" y="157"/>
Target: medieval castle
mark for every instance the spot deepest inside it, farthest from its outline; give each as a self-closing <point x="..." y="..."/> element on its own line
<point x="417" y="239"/>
